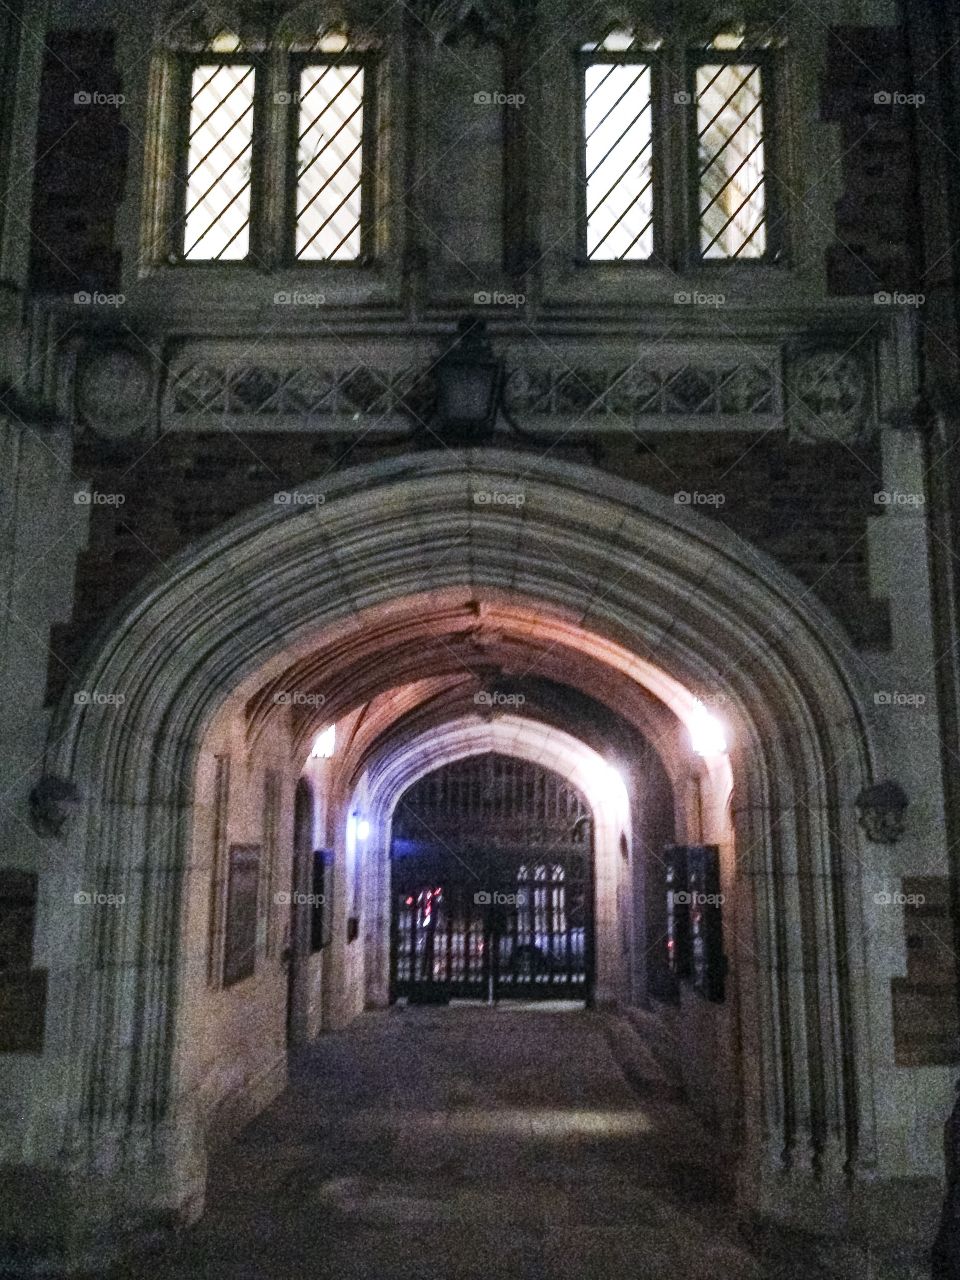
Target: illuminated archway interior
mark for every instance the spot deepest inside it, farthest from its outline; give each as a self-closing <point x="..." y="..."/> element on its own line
<point x="356" y="720"/>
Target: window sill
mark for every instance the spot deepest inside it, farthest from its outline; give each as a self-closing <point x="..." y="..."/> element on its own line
<point x="651" y="283"/>
<point x="243" y="287"/>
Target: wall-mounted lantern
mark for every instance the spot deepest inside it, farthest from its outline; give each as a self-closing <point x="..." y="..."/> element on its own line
<point x="708" y="736"/>
<point x="358" y="829"/>
<point x="469" y="384"/>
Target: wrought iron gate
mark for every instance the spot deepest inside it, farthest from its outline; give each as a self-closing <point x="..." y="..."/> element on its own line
<point x="492" y="862"/>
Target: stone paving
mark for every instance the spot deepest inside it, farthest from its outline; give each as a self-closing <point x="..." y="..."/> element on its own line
<point x="467" y="1144"/>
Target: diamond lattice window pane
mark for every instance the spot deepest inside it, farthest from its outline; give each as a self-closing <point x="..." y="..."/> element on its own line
<point x="619" y="175"/>
<point x="330" y="162"/>
<point x="217" y="215"/>
<point x="731" y="146"/>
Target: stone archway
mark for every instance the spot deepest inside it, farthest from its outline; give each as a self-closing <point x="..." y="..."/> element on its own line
<point x="652" y="589"/>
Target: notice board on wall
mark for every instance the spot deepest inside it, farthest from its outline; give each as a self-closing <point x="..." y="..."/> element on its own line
<point x="240" y="943"/>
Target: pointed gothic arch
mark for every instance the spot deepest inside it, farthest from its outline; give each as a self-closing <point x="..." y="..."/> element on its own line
<point x="645" y="585"/>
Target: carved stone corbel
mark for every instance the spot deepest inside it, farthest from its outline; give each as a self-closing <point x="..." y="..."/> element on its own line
<point x="881" y="810"/>
<point x="53" y="802"/>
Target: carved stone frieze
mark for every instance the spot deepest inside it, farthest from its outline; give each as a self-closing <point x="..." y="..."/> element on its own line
<point x="352" y="391"/>
<point x="735" y="389"/>
<point x="640" y="390"/>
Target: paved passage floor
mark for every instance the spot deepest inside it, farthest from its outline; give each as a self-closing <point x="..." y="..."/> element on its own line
<point x="467" y="1144"/>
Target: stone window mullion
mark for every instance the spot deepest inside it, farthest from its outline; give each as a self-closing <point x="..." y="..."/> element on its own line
<point x="271" y="160"/>
<point x="160" y="228"/>
<point x="677" y="163"/>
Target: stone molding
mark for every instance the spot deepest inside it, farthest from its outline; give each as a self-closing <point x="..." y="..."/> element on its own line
<point x="261" y="26"/>
<point x="498" y="21"/>
<point x="828" y="391"/>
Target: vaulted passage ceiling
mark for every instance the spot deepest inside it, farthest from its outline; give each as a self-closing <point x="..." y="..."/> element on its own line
<point x="422" y="666"/>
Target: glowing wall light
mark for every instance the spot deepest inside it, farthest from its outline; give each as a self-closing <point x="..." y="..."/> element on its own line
<point x="357" y="829"/>
<point x="708" y="737"/>
<point x="614" y="787"/>
<point x="608" y="786"/>
<point x="324" y="743"/>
